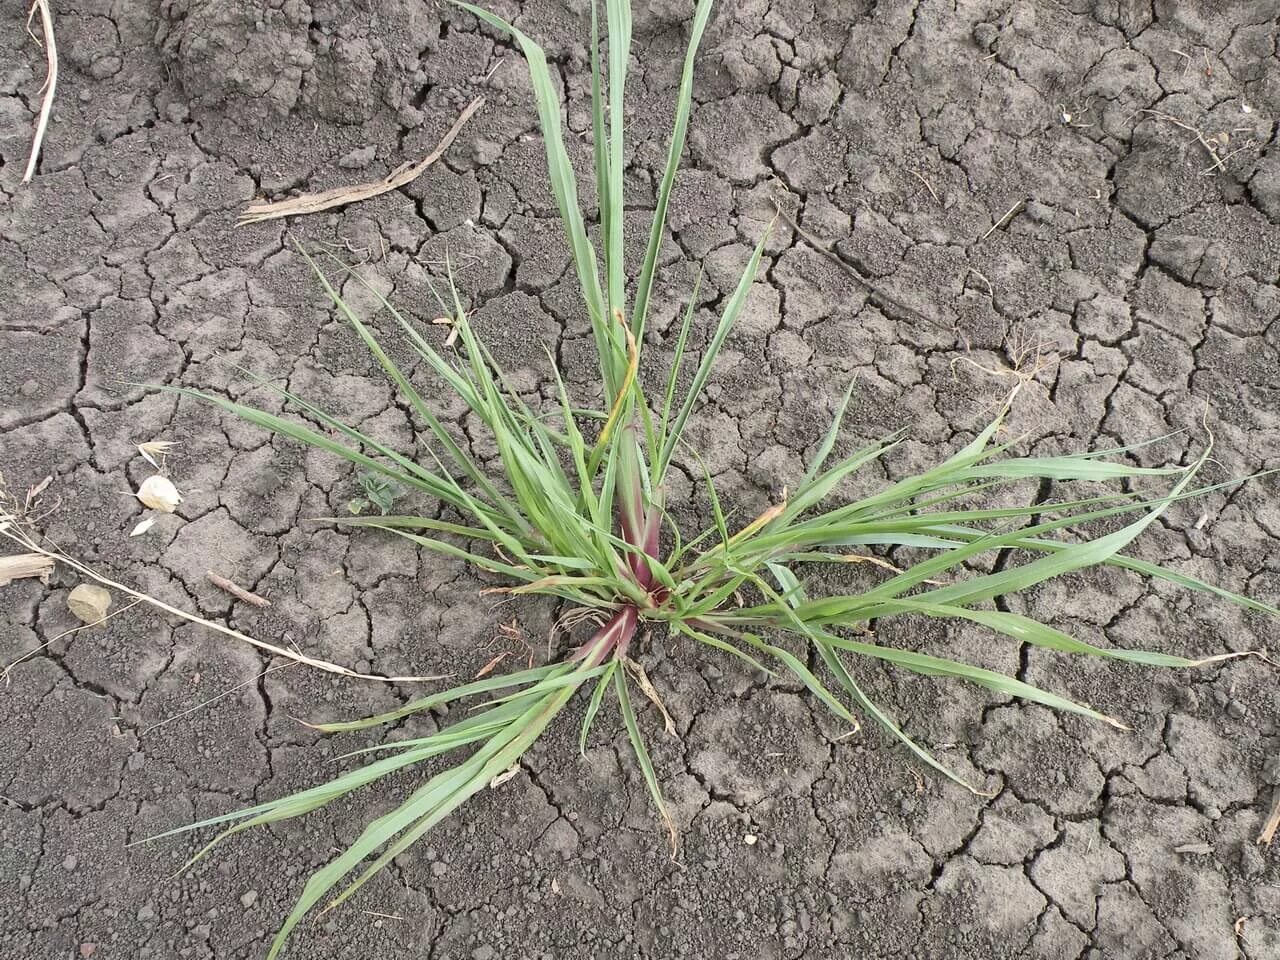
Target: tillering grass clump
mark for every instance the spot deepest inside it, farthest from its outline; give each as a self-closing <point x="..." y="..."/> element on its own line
<point x="577" y="513"/>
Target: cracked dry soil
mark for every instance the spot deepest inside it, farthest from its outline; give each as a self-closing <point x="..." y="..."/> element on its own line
<point x="901" y="132"/>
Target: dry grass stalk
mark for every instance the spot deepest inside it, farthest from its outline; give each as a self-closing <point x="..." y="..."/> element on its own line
<point x="928" y="186"/>
<point x="1009" y="213"/>
<point x="1212" y="144"/>
<point x="215" y="699"/>
<point x="4" y="676"/>
<point x="341" y="196"/>
<point x="50" y="82"/>
<point x="9" y="527"/>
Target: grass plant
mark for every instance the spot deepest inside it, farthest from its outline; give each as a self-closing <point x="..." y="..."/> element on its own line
<point x="576" y="512"/>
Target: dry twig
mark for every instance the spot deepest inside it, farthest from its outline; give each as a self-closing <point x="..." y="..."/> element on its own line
<point x="340" y="196"/>
<point x="50" y="82"/>
<point x="248" y="596"/>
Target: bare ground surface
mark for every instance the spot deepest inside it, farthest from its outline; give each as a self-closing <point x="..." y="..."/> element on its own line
<point x="900" y="133"/>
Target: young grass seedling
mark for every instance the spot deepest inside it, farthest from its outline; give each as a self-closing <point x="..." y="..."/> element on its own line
<point x="576" y="511"/>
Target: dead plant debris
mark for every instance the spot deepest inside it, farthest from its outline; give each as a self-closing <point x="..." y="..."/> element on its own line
<point x="154" y="451"/>
<point x="1214" y="143"/>
<point x="142" y="526"/>
<point x="50" y="81"/>
<point x="1273" y="822"/>
<point x="237" y="591"/>
<point x="159" y="493"/>
<point x="341" y="196"/>
<point x="16" y="525"/>
<point x="21" y="566"/>
<point x="885" y="301"/>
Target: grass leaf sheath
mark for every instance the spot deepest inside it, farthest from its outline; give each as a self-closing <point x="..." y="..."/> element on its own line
<point x="575" y="509"/>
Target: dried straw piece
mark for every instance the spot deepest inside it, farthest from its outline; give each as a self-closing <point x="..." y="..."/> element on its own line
<point x="154" y="451"/>
<point x="647" y="688"/>
<point x="23" y="565"/>
<point x="50" y="82"/>
<point x="340" y="196"/>
<point x="1273" y="822"/>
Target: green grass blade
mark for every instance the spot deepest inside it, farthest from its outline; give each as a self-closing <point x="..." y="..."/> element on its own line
<point x="430" y="803"/>
<point x="1066" y="468"/>
<point x="805" y="675"/>
<point x="673" y="376"/>
<point x="410" y="523"/>
<point x="1144" y="567"/>
<point x="930" y="666"/>
<point x="599" y="136"/>
<point x="1027" y="630"/>
<point x="644" y="284"/>
<point x="442" y="697"/>
<point x="732" y="308"/>
<point x="831" y="657"/>
<point x="1073" y="557"/>
<point x="416" y="477"/>
<point x="409" y="391"/>
<point x="593" y="707"/>
<point x="565" y="189"/>
<point x="711" y="640"/>
<point x="717" y="511"/>
<point x="642" y="754"/>
<point x="619" y="15"/>
<point x="829" y="441"/>
<point x="791" y="587"/>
